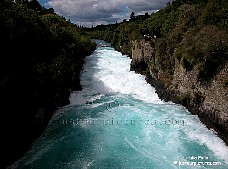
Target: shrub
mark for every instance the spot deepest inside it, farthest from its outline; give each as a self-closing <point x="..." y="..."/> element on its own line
<point x="184" y="99"/>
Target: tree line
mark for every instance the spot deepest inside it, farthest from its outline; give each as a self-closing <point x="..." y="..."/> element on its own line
<point x="193" y="31"/>
<point x="40" y="63"/>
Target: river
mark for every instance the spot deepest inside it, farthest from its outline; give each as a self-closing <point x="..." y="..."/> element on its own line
<point x="118" y="122"/>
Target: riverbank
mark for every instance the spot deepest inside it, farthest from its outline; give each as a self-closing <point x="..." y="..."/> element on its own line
<point x="208" y="101"/>
<point x="118" y="118"/>
<point x="183" y="51"/>
<point x="41" y="62"/>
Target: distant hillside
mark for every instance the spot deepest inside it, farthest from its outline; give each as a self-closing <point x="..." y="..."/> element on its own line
<point x="177" y="21"/>
<point x="41" y="58"/>
<point x="183" y="51"/>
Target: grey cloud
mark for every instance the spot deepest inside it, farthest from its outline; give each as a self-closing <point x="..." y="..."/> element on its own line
<point x="84" y="8"/>
<point x="107" y="11"/>
<point x="143" y="5"/>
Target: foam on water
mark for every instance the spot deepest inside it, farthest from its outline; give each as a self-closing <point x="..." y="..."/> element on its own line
<point x="136" y="129"/>
<point x="113" y="75"/>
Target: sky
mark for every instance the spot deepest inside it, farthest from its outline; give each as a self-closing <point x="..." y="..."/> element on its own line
<point x="95" y="12"/>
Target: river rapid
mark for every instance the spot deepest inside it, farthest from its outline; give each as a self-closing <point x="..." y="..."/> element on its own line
<point x="118" y="122"/>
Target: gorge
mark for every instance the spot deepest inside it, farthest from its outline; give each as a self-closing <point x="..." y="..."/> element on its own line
<point x="183" y="51"/>
<point x="118" y="121"/>
<point x="153" y="96"/>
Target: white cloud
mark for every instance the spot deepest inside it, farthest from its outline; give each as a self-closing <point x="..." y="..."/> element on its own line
<point x="139" y="5"/>
<point x="93" y="12"/>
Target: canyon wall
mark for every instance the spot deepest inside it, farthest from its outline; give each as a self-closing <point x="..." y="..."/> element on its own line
<point x="208" y="101"/>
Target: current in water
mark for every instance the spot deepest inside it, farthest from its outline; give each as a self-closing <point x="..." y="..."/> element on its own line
<point x="118" y="122"/>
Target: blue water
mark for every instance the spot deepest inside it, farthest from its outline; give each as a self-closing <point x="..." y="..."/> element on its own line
<point x="118" y="122"/>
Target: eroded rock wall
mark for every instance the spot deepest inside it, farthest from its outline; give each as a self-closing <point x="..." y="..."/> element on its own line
<point x="208" y="101"/>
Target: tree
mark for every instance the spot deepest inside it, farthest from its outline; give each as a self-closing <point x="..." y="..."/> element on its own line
<point x="147" y="15"/>
<point x="132" y="16"/>
<point x="34" y="4"/>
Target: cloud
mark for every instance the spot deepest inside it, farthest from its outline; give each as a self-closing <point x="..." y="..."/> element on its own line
<point x="144" y="5"/>
<point x="93" y="12"/>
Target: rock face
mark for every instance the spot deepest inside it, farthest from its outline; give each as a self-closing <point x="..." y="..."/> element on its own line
<point x="208" y="101"/>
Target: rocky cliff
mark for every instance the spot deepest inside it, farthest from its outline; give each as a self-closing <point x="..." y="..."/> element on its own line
<point x="207" y="100"/>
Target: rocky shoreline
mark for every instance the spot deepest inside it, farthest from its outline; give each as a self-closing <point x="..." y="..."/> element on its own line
<point x="208" y="101"/>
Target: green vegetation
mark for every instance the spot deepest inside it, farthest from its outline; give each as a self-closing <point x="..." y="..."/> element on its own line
<point x="195" y="32"/>
<point x="42" y="55"/>
<point x="120" y="34"/>
<point x="41" y="58"/>
<point x="184" y="99"/>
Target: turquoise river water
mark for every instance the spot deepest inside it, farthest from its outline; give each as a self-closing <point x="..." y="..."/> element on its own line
<point x="118" y="122"/>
